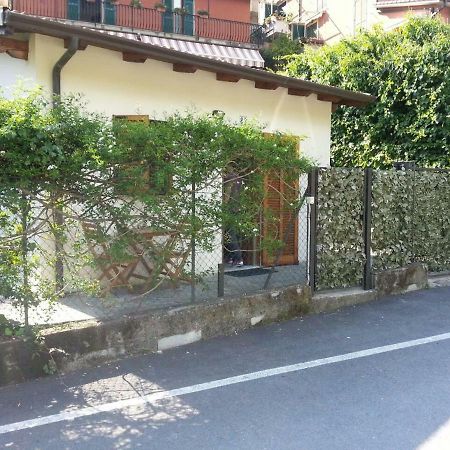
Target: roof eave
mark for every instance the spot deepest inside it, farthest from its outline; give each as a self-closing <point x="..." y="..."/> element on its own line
<point x="30" y="24"/>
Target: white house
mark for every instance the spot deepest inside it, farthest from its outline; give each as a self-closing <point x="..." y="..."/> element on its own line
<point x="123" y="74"/>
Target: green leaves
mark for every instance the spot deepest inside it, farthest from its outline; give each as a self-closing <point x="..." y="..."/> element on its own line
<point x="407" y="69"/>
<point x="77" y="189"/>
<point x="281" y="47"/>
<point x="340" y="246"/>
<point x="410" y="222"/>
<point x="410" y="219"/>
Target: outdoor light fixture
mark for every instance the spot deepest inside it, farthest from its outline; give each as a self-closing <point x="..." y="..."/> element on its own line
<point x="218" y="113"/>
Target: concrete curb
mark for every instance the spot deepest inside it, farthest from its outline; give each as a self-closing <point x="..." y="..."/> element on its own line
<point x="81" y="345"/>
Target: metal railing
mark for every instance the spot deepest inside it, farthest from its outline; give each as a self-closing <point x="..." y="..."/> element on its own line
<point x="109" y="13"/>
<point x="407" y="2"/>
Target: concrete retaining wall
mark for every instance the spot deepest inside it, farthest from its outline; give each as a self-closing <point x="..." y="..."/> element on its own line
<point x="84" y="344"/>
<point x="405" y="279"/>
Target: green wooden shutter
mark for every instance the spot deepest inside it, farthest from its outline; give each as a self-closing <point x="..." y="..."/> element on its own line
<point x="168" y="17"/>
<point x="298" y="31"/>
<point x="189" y="18"/>
<point x="73" y="9"/>
<point x="110" y="13"/>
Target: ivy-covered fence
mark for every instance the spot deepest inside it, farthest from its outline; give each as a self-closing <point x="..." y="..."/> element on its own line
<point x="340" y="244"/>
<point x="411" y="219"/>
<point x="409" y="213"/>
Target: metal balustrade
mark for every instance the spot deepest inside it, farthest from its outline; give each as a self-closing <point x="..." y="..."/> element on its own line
<point x="398" y="3"/>
<point x="139" y="18"/>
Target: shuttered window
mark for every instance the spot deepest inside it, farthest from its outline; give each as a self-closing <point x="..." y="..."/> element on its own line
<point x="156" y="181"/>
<point x="280" y="222"/>
<point x="133" y="118"/>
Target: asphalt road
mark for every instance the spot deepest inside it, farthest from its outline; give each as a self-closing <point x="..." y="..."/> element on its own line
<point x="375" y="376"/>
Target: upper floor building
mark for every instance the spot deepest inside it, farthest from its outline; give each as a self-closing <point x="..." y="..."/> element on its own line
<point x="328" y="21"/>
<point x="215" y="29"/>
<point x="225" y="21"/>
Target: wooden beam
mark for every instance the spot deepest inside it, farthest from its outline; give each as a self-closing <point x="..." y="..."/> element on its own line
<point x="12" y="44"/>
<point x="133" y="57"/>
<point x="227" y="77"/>
<point x="352" y="103"/>
<point x="184" y="68"/>
<point x="82" y="45"/>
<point x="328" y="98"/>
<point x="266" y="85"/>
<point x="299" y="92"/>
<point x="334" y="107"/>
<point x="14" y="48"/>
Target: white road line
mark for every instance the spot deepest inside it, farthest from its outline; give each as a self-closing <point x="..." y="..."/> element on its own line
<point x="152" y="398"/>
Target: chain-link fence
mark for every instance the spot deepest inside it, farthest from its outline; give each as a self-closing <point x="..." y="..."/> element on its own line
<point x="333" y="228"/>
<point x="271" y="267"/>
<point x="96" y="261"/>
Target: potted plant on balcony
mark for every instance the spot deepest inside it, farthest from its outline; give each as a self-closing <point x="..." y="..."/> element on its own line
<point x="160" y="7"/>
<point x="136" y="3"/>
<point x="180" y="11"/>
<point x="203" y="12"/>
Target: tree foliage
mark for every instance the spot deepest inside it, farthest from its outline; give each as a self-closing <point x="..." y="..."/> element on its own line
<point x="45" y="154"/>
<point x="275" y="54"/>
<point x="62" y="168"/>
<point x="408" y="70"/>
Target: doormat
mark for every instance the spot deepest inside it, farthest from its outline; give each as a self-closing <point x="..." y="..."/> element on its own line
<point x="249" y="272"/>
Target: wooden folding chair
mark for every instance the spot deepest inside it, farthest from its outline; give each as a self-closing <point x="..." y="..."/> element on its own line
<point x="116" y="273"/>
<point x="163" y="252"/>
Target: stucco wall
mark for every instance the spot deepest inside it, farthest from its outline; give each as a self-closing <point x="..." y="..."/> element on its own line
<point x="345" y="17"/>
<point x="15" y="71"/>
<point x="220" y="9"/>
<point x="112" y="86"/>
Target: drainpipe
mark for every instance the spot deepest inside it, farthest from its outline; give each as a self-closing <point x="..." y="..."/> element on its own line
<point x="59" y="65"/>
<point x="58" y="217"/>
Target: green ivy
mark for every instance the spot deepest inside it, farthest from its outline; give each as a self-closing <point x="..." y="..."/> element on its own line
<point x="408" y="70"/>
<point x="276" y="52"/>
<point x="392" y="219"/>
<point x="411" y="221"/>
<point x="340" y="246"/>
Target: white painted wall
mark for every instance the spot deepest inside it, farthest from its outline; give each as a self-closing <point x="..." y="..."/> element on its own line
<point x="13" y="72"/>
<point x="343" y="18"/>
<point x="113" y="86"/>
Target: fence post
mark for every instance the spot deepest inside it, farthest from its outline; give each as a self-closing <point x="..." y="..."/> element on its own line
<point x="367" y="279"/>
<point x="313" y="184"/>
<point x="413" y="208"/>
<point x="220" y="280"/>
<point x="59" y="250"/>
<point x="193" y="243"/>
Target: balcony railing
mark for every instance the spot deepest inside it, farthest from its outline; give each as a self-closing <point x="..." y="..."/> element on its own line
<point x="139" y="18"/>
<point x="407" y="3"/>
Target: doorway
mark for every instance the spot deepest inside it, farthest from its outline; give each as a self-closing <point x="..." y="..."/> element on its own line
<point x="276" y="222"/>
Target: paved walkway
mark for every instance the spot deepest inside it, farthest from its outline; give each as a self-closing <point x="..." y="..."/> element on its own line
<point x="76" y="307"/>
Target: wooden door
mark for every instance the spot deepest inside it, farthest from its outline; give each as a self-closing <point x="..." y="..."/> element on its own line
<point x="279" y="221"/>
